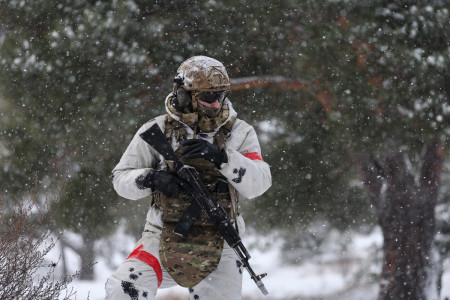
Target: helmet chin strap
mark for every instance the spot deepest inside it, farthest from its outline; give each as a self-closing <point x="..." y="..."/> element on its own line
<point x="194" y="103"/>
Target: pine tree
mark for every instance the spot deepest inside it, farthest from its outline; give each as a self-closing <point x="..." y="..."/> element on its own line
<point x="386" y="65"/>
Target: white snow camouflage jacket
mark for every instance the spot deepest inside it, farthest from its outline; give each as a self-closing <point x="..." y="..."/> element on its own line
<point x="245" y="169"/>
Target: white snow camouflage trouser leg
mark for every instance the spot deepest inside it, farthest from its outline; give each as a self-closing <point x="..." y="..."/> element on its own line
<point x="137" y="277"/>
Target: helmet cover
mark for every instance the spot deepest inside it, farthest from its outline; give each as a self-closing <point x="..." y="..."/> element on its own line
<point x="203" y="73"/>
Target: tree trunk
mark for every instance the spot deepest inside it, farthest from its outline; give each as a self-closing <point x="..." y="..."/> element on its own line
<point x="87" y="256"/>
<point x="405" y="209"/>
<point x="63" y="259"/>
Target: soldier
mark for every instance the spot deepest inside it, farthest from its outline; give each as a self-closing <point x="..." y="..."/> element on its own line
<point x="203" y="129"/>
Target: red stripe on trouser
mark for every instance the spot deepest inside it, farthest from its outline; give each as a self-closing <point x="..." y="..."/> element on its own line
<point x="253" y="156"/>
<point x="149" y="259"/>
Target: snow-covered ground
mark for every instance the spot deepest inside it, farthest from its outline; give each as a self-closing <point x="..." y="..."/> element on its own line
<point x="350" y="273"/>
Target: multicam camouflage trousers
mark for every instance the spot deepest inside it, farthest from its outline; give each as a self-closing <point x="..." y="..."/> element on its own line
<point x="142" y="273"/>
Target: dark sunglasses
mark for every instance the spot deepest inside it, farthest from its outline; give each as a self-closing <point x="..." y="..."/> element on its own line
<point x="211" y="97"/>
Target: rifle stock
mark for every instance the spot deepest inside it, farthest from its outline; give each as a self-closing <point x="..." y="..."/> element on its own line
<point x="201" y="199"/>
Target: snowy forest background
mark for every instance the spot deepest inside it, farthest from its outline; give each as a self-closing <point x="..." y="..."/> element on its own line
<point x="350" y="100"/>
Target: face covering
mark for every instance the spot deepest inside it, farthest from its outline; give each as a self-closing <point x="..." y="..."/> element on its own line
<point x="210" y="103"/>
<point x="208" y="110"/>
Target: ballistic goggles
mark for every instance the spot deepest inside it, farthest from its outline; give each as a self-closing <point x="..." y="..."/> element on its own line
<point x="211" y="97"/>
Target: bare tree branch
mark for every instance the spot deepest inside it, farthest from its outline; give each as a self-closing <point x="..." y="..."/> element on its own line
<point x="24" y="273"/>
<point x="246" y="83"/>
<point x="297" y="84"/>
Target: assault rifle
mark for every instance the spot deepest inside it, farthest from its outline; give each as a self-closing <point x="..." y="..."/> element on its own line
<point x="201" y="200"/>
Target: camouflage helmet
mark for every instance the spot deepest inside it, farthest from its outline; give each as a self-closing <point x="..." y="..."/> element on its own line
<point x="203" y="74"/>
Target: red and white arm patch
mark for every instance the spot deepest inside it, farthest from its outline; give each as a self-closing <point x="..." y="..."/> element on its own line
<point x="150" y="260"/>
<point x="254" y="156"/>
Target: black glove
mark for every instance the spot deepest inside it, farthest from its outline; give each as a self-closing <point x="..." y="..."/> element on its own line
<point x="166" y="182"/>
<point x="197" y="148"/>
